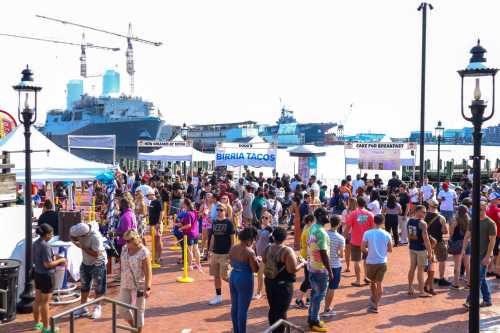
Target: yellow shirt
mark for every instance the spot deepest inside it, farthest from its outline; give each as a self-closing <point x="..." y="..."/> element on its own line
<point x="303" y="241"/>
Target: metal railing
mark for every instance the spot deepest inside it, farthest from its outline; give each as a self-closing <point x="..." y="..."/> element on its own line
<point x="289" y="327"/>
<point x="3" y="292"/>
<point x="100" y="300"/>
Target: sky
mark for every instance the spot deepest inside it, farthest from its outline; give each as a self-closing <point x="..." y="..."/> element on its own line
<point x="232" y="60"/>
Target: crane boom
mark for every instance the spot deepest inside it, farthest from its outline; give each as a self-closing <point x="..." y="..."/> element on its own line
<point x="63" y="42"/>
<point x="137" y="39"/>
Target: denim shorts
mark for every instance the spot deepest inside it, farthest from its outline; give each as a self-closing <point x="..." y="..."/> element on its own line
<point x="334" y="284"/>
<point x="448" y="215"/>
<point x="192" y="241"/>
<point x="93" y="274"/>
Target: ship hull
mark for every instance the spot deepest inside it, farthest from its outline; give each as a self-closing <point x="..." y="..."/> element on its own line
<point x="127" y="133"/>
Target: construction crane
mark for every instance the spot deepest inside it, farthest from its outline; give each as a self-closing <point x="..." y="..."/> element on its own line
<point x="129" y="54"/>
<point x="83" y="45"/>
<point x="340" y="127"/>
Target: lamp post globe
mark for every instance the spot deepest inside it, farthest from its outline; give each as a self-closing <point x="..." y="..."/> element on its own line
<point x="27" y="92"/>
<point x="476" y="70"/>
<point x="439" y="132"/>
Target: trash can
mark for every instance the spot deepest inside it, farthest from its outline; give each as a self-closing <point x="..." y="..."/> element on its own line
<point x="9" y="274"/>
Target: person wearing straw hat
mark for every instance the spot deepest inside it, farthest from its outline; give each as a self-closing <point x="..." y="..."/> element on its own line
<point x="136" y="277"/>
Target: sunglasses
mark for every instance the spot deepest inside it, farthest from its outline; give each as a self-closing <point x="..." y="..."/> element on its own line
<point x="265" y="217"/>
<point x="130" y="240"/>
<point x="220" y="209"/>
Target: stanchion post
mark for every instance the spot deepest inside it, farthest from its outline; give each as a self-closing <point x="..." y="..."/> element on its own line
<point x="185" y="278"/>
<point x="154" y="264"/>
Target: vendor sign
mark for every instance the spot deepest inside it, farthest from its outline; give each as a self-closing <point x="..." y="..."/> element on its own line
<point x="255" y="155"/>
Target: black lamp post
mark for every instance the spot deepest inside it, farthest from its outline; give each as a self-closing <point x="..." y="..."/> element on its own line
<point x="28" y="91"/>
<point x="475" y="70"/>
<point x="423" y="8"/>
<point x="439" y="136"/>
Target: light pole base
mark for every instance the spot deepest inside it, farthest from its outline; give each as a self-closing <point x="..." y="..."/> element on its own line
<point x="25" y="305"/>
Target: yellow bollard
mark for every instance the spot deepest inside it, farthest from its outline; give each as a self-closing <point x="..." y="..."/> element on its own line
<point x="154" y="264"/>
<point x="185" y="278"/>
<point x="78" y="198"/>
<point x="176" y="246"/>
<point x="93" y="208"/>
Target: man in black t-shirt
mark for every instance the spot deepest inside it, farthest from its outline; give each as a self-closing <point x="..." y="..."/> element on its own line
<point x="49" y="216"/>
<point x="394" y="183"/>
<point x="220" y="239"/>
<point x="404" y="201"/>
<point x="155" y="213"/>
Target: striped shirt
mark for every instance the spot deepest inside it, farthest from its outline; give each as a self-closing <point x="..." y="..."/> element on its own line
<point x="337" y="241"/>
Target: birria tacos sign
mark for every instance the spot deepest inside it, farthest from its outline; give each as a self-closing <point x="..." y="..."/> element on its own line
<point x="255" y="155"/>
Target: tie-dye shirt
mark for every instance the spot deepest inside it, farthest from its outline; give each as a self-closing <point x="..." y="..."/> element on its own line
<point x="318" y="240"/>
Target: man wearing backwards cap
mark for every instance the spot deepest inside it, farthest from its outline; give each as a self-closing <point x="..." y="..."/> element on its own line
<point x="448" y="199"/>
<point x="93" y="267"/>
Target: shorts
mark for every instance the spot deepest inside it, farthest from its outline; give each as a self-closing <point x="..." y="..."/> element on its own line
<point x="219" y="265"/>
<point x="334" y="284"/>
<point x="43" y="282"/>
<point x="376" y="272"/>
<point x="192" y="241"/>
<point x="441" y="251"/>
<point x="448" y="215"/>
<point x="495" y="249"/>
<point x="93" y="274"/>
<point x="418" y="258"/>
<point x="356" y="254"/>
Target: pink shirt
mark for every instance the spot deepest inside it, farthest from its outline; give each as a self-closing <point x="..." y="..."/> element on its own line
<point x="360" y="221"/>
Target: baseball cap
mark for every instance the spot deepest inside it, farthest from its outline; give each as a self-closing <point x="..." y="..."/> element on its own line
<point x="151" y="192"/>
<point x="79" y="230"/>
<point x="445" y="186"/>
<point x="494" y="196"/>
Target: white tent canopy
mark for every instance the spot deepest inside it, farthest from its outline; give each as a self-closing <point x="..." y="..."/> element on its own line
<point x="176" y="153"/>
<point x="306" y="150"/>
<point x="56" y="165"/>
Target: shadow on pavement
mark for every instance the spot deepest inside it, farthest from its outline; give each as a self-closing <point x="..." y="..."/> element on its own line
<point x="422" y="319"/>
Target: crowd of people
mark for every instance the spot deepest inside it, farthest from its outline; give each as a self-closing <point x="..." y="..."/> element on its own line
<point x="273" y="228"/>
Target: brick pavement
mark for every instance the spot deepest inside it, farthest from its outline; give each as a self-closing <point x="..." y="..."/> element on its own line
<point x="174" y="307"/>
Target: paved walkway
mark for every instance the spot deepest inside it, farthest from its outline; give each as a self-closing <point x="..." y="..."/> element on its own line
<point x="175" y="307"/>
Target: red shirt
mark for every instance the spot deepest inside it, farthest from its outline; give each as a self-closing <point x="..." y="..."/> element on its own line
<point x="360" y="221"/>
<point x="493" y="212"/>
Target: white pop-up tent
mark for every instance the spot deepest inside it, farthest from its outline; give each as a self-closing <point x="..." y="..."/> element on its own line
<point x="49" y="162"/>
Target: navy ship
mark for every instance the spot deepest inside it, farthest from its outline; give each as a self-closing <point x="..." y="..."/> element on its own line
<point x="288" y="132"/>
<point x="129" y="118"/>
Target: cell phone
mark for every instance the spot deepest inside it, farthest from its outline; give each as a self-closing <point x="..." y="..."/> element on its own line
<point x="140" y="293"/>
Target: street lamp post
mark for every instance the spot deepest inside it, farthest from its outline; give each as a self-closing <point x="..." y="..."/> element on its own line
<point x="439" y="136"/>
<point x="475" y="70"/>
<point x="423" y="7"/>
<point x="28" y="91"/>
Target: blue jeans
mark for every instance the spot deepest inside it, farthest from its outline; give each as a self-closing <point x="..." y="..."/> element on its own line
<point x="485" y="289"/>
<point x="319" y="286"/>
<point x="241" y="288"/>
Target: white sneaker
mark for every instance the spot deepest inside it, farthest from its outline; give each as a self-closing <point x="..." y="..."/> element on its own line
<point x="97" y="312"/>
<point x="216" y="300"/>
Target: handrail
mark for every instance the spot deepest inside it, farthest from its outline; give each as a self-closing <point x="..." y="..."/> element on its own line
<point x="288" y="327"/>
<point x="101" y="299"/>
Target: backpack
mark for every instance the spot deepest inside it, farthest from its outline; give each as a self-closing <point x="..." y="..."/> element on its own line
<point x="271" y="269"/>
